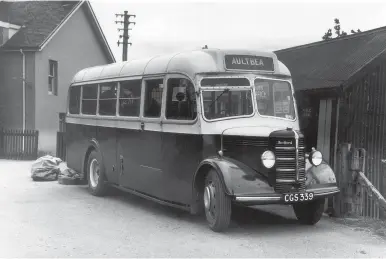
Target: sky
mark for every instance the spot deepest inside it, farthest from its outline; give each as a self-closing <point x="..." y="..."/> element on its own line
<point x="170" y="26"/>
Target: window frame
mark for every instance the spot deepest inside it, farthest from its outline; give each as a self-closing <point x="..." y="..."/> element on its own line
<point x="221" y="88"/>
<point x="116" y="99"/>
<point x="143" y="99"/>
<point x="140" y="97"/>
<point x="69" y="99"/>
<point x="233" y="88"/>
<point x="55" y="89"/>
<point x="97" y="102"/>
<point x="141" y="118"/>
<point x="293" y="98"/>
<point x="179" y="121"/>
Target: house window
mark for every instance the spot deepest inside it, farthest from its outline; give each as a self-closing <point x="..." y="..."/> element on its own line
<point x="53" y="77"/>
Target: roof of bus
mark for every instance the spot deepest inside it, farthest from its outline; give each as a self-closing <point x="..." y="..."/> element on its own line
<point x="188" y="62"/>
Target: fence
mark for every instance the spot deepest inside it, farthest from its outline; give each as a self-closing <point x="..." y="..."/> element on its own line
<point x="61" y="145"/>
<point x="362" y="123"/>
<point x="11" y="144"/>
<point x="377" y="200"/>
<point x="358" y="183"/>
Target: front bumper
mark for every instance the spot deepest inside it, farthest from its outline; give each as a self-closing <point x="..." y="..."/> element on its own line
<point x="277" y="198"/>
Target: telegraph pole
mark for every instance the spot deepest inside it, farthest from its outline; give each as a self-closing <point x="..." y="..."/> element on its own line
<point x="125" y="37"/>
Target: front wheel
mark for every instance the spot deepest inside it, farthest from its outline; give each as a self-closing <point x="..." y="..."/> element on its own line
<point x="217" y="204"/>
<point x="309" y="213"/>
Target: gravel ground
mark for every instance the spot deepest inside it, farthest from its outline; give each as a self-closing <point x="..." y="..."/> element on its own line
<point x="46" y="219"/>
<point x="373" y="226"/>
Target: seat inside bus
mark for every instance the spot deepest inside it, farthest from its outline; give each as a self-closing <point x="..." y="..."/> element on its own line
<point x="180" y="102"/>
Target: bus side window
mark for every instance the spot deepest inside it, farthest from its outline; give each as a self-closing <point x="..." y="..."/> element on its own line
<point x="74" y="103"/>
<point x="181" y="100"/>
<point x="108" y="98"/>
<point x="130" y="98"/>
<point x="153" y="98"/>
<point x="89" y="99"/>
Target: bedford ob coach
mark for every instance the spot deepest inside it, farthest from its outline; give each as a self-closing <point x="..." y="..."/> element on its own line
<point x="199" y="130"/>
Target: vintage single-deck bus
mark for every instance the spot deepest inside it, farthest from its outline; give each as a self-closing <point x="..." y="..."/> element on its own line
<point x="198" y="130"/>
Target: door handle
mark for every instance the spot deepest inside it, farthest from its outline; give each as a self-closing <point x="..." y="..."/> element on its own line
<point x="122" y="168"/>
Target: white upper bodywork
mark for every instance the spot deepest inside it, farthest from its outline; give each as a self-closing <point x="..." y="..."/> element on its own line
<point x="195" y="65"/>
<point x="189" y="63"/>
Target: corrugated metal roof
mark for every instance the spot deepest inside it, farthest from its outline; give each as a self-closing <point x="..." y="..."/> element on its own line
<point x="327" y="64"/>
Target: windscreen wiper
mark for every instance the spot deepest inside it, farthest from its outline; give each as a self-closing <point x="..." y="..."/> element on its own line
<point x="226" y="90"/>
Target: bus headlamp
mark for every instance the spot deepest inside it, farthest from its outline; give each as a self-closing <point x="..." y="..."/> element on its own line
<point x="268" y="159"/>
<point x="315" y="157"/>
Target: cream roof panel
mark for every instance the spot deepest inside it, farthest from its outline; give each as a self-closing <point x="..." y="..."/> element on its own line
<point x="188" y="62"/>
<point x="111" y="70"/>
<point x="92" y="73"/>
<point x="134" y="67"/>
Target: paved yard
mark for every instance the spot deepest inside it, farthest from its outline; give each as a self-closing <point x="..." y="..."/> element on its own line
<point x="46" y="219"/>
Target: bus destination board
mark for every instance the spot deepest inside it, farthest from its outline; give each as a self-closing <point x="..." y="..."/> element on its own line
<point x="248" y="62"/>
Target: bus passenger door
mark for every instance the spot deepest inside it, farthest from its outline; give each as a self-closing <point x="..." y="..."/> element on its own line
<point x="151" y="176"/>
<point x="129" y="133"/>
<point x="139" y="149"/>
<point x="182" y="145"/>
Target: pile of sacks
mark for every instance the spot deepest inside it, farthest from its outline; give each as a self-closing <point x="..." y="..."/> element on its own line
<point x="49" y="168"/>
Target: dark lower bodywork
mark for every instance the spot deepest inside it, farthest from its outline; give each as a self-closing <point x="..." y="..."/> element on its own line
<point x="248" y="188"/>
<point x="166" y="167"/>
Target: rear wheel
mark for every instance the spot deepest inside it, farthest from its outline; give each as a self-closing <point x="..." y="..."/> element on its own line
<point x="309" y="213"/>
<point x="217" y="204"/>
<point x="95" y="175"/>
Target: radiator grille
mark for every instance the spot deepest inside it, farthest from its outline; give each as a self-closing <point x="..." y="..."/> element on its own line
<point x="285" y="152"/>
<point x="248" y="151"/>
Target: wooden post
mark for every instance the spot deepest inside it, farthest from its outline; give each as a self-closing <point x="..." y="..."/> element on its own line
<point x="36" y="147"/>
<point x="343" y="174"/>
<point x="336" y="133"/>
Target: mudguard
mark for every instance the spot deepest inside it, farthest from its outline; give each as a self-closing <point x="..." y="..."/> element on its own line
<point x="238" y="179"/>
<point x="319" y="176"/>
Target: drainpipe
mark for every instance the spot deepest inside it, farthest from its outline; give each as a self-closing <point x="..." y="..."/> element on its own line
<point x="23" y="79"/>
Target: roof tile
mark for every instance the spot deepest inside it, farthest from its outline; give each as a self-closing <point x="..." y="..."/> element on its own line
<point x="38" y="18"/>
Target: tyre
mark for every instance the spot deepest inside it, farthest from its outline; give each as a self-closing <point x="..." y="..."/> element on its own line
<point x="217" y="204"/>
<point x="95" y="175"/>
<point x="309" y="213"/>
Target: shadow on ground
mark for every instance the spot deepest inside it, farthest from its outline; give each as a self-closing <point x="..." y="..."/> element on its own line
<point x="242" y="217"/>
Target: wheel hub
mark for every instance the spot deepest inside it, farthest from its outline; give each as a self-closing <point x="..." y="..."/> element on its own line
<point x="94" y="172"/>
<point x="208" y="197"/>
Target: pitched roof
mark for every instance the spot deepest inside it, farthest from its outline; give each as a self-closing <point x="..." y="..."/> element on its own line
<point x="327" y="64"/>
<point x="40" y="20"/>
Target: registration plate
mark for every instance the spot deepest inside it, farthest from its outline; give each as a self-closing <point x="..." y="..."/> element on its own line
<point x="298" y="197"/>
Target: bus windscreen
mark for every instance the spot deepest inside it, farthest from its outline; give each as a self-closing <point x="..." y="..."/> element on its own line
<point x="213" y="82"/>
